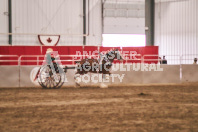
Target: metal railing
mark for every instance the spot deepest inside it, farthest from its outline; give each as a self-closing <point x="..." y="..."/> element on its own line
<point x="128" y="58"/>
<point x="73" y="58"/>
<point x="9" y="60"/>
<point x="188" y="58"/>
<point x="172" y="59"/>
<point x="132" y="57"/>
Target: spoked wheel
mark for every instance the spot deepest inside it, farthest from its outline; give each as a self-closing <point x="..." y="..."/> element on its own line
<point x="49" y="78"/>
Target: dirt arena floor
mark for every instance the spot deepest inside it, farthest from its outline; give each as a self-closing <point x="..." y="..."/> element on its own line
<point x="160" y="108"/>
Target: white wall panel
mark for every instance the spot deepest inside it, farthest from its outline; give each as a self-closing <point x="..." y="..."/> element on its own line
<point x="47" y="17"/>
<point x="121" y="25"/>
<point x="124" y="17"/>
<point x="176" y="28"/>
<point x="95" y="23"/>
<point x="3" y="21"/>
<point x="52" y="17"/>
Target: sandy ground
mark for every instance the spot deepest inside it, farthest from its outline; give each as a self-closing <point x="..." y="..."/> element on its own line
<point x="161" y="108"/>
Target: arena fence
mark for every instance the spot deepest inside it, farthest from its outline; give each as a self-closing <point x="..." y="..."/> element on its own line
<point x="20" y="74"/>
<point x="70" y="59"/>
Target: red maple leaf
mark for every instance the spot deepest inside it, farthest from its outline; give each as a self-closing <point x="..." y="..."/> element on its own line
<point x="49" y="40"/>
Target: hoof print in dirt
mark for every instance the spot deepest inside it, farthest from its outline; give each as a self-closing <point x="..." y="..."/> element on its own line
<point x="142" y="94"/>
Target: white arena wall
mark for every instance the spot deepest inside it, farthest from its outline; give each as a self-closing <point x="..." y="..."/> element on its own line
<point x="9" y="76"/>
<point x="66" y="17"/>
<point x="33" y="17"/>
<point x="176" y="28"/>
<point x="19" y="76"/>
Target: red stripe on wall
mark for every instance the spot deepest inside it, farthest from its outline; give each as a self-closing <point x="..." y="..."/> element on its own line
<point x="72" y="50"/>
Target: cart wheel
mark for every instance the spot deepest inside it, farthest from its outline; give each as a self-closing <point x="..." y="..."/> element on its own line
<point x="49" y="78"/>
